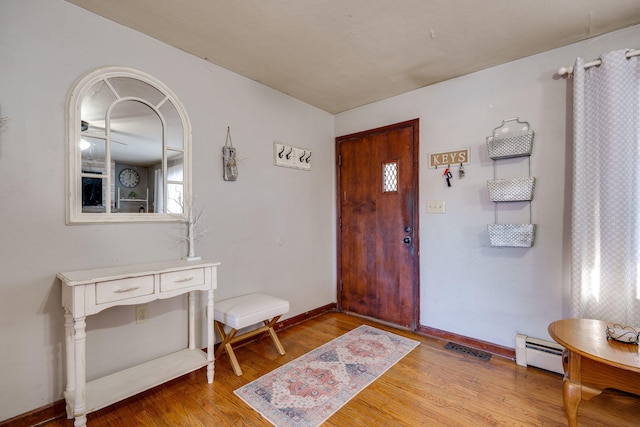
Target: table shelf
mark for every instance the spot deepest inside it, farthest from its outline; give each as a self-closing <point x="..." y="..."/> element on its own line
<point x="112" y="388"/>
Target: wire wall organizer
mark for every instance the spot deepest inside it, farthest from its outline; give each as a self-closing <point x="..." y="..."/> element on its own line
<point x="510" y="140"/>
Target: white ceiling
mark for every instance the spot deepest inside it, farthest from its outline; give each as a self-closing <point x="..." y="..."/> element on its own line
<point x="341" y="54"/>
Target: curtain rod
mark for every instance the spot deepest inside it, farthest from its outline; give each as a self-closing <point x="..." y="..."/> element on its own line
<point x="569" y="70"/>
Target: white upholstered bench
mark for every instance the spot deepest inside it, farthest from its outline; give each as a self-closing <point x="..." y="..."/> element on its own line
<point x="243" y="311"/>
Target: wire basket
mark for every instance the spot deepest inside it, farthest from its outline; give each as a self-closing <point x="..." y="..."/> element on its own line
<point x="511" y="190"/>
<point x="511" y="145"/>
<point x="511" y="235"/>
<point x="513" y="139"/>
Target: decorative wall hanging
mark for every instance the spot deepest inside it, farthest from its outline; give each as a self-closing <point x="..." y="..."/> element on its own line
<point x="229" y="164"/>
<point x="291" y="157"/>
<point x="449" y="158"/>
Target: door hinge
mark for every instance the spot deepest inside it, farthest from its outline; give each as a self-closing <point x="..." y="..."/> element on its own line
<point x="340" y="222"/>
<point x="339" y="159"/>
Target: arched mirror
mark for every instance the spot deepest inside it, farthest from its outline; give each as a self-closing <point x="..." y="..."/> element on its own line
<point x="129" y="150"/>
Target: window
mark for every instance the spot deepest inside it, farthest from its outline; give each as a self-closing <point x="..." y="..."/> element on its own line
<point x="390" y="177"/>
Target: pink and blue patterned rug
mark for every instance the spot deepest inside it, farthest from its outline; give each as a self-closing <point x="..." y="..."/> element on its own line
<point x="308" y="390"/>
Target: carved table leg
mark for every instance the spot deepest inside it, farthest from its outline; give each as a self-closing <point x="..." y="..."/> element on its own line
<point x="210" y="365"/>
<point x="571" y="396"/>
<point x="70" y="362"/>
<point x="572" y="386"/>
<point x="79" y="343"/>
<point x="191" y="310"/>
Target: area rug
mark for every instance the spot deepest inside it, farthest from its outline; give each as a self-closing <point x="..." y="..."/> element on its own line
<point x="308" y="390"/>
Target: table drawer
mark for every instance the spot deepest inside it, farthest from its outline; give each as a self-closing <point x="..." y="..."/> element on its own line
<point x="181" y="279"/>
<point x="121" y="289"/>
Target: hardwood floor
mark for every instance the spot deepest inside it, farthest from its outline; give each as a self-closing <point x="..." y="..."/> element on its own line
<point x="431" y="386"/>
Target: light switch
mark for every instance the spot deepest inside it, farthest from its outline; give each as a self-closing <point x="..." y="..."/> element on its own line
<point x="435" y="206"/>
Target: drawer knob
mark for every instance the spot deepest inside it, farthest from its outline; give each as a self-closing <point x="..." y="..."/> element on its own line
<point x="186" y="279"/>
<point x="123" y="290"/>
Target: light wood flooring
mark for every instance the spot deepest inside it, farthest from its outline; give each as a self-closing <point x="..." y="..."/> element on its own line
<point x="431" y="386"/>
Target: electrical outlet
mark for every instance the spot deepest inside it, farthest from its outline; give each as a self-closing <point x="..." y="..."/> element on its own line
<point x="142" y="313"/>
<point x="435" y="206"/>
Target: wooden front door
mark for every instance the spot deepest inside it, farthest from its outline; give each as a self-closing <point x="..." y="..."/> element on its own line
<point x="378" y="255"/>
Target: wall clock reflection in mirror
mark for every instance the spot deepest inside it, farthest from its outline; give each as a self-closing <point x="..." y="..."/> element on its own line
<point x="129" y="177"/>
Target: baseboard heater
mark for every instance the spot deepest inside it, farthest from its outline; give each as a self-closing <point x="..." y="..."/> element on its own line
<point x="539" y="353"/>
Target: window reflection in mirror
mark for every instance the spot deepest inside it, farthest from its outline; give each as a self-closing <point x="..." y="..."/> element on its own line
<point x="129" y="150"/>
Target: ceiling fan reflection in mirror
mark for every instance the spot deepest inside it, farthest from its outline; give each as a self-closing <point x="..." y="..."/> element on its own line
<point x="84" y="127"/>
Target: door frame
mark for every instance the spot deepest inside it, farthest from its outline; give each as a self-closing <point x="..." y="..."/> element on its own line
<point x="415" y="124"/>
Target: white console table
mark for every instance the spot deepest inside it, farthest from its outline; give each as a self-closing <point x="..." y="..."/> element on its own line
<point x="88" y="292"/>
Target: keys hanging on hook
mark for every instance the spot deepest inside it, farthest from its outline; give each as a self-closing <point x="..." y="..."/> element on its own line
<point x="448" y="175"/>
<point x="461" y="171"/>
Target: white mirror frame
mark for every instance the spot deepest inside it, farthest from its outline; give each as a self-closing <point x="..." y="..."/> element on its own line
<point x="74" y="214"/>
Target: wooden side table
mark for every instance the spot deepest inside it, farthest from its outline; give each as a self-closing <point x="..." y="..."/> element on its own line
<point x="592" y="362"/>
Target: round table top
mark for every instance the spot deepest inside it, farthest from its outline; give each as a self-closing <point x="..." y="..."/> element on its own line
<point x="588" y="338"/>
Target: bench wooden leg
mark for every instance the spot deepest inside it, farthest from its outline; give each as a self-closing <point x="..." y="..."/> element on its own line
<point x="225" y="345"/>
<point x="269" y="324"/>
<point x="229" y="338"/>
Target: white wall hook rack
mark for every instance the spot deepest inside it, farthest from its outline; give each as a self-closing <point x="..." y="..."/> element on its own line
<point x="291" y="157"/>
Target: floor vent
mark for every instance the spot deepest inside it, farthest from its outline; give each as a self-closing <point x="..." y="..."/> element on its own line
<point x="539" y="353"/>
<point x="482" y="355"/>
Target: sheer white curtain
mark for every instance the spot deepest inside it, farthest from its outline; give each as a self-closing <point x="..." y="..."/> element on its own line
<point x="606" y="182"/>
<point x="175" y="196"/>
<point x="175" y="189"/>
<point x="158" y="198"/>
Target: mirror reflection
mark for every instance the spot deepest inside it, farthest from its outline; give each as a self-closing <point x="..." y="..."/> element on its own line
<point x="129" y="151"/>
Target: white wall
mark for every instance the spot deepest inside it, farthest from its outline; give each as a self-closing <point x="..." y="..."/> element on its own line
<point x="273" y="229"/>
<point x="467" y="286"/>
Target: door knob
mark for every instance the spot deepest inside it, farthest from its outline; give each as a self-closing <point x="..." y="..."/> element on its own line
<point x="407" y="240"/>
